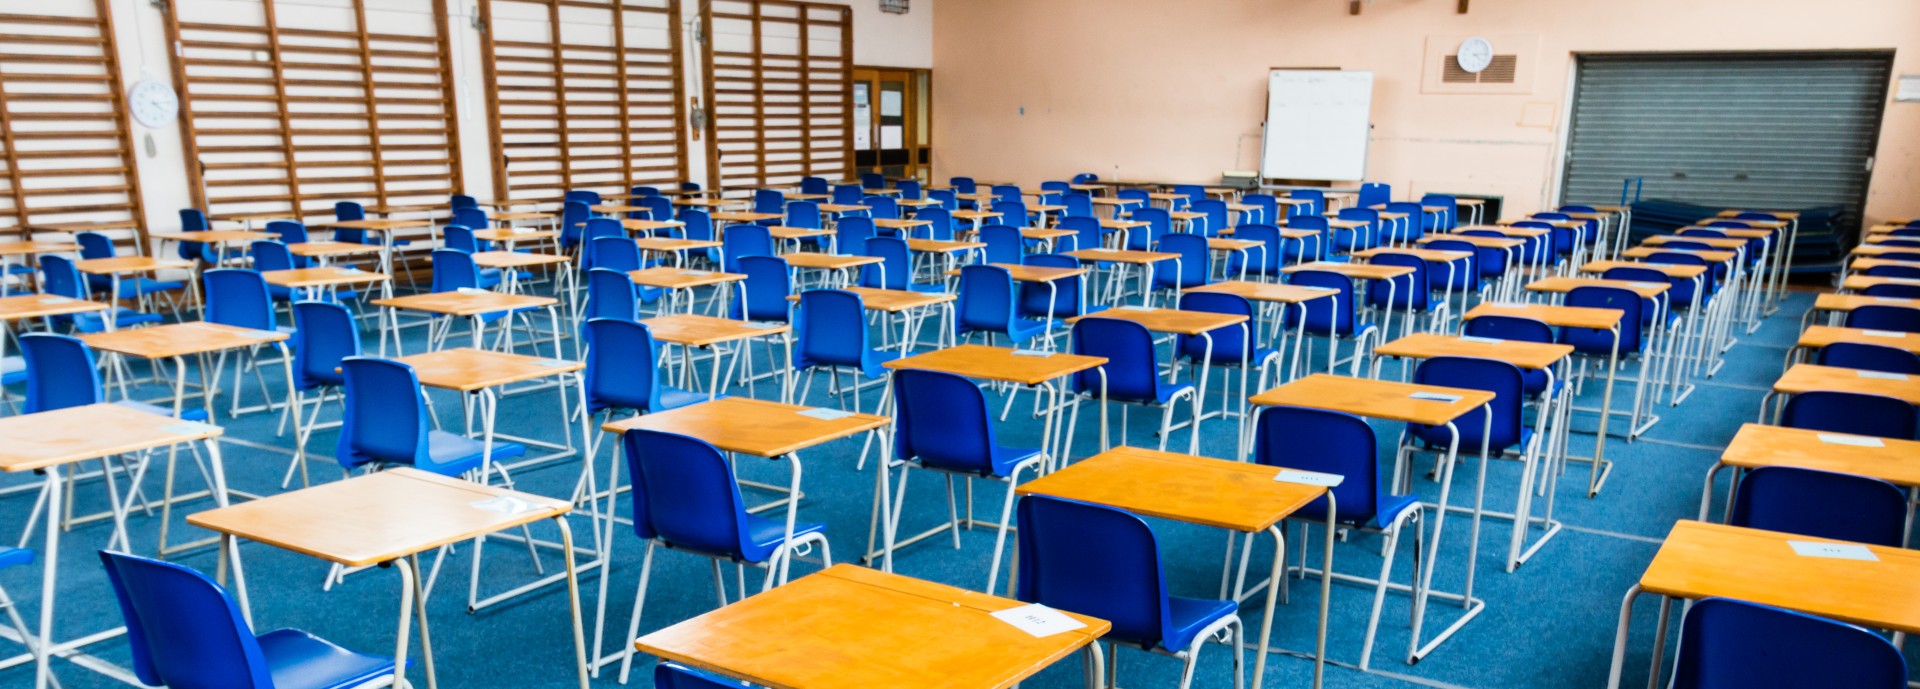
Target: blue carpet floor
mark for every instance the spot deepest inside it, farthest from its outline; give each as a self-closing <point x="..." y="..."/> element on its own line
<point x="1549" y="624"/>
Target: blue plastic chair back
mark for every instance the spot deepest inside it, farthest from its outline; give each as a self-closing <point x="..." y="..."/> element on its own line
<point x="615" y="253"/>
<point x="344" y="211"/>
<point x="238" y="298"/>
<point x="59" y="277"/>
<point x="1339" y="319"/>
<point x="1730" y="644"/>
<point x="1450" y="217"/>
<point x="1230" y="343"/>
<point x="965" y="185"/>
<point x="459" y="238"/>
<point x="183" y="630"/>
<point x="1266" y="259"/>
<point x="1501" y="378"/>
<point x="1870" y="357"/>
<point x="942" y="227"/>
<point x="61" y="373"/>
<point x="881" y="207"/>
<point x="657" y="208"/>
<point x="1056" y="185"/>
<point x="94" y="245"/>
<point x="1821" y="504"/>
<point x="1004" y="243"/>
<point x="1086" y="231"/>
<point x="1328" y="442"/>
<point x="850" y="235"/>
<point x="611" y="294"/>
<point x="985" y="300"/>
<point x="769" y="282"/>
<point x="598" y="228"/>
<point x="686" y="489"/>
<point x="1509" y="328"/>
<point x="1078" y="206"/>
<point x="699" y="226"/>
<point x="459" y="201"/>
<point x="1318" y="198"/>
<point x="454" y="270"/>
<point x="946" y="198"/>
<point x="942" y="419"/>
<point x="1364" y="237"/>
<point x="472" y="217"/>
<point x="1213" y="217"/>
<point x="909" y="189"/>
<point x="1596" y="342"/>
<point x="1085" y="178"/>
<point x="591" y="198"/>
<point x="1192" y="192"/>
<point x="290" y="232"/>
<point x="1013" y="212"/>
<point x="1269" y="208"/>
<point x="573" y="222"/>
<point x="848" y="194"/>
<point x="830" y="329"/>
<point x="895" y="269"/>
<point x="804" y="214"/>
<point x="324" y="334"/>
<point x="1904" y="319"/>
<point x="1133" y="367"/>
<point x="1159" y="225"/>
<point x="1093" y="560"/>
<point x="622" y="366"/>
<point x="1414" y="226"/>
<point x="386" y="413"/>
<point x="768" y="201"/>
<point x="677" y="676"/>
<point x="814" y="185"/>
<point x="1374" y="193"/>
<point x="269" y="255"/>
<point x="1850" y="412"/>
<point x="1064" y="292"/>
<point x="645" y="191"/>
<point x="741" y="241"/>
<point x="1006" y="192"/>
<point x="873" y="180"/>
<point x="1412" y="291"/>
<point x="195" y="220"/>
<point x="1194" y="265"/>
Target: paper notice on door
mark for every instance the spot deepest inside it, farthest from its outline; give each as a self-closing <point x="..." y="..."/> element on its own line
<point x="1038" y="620"/>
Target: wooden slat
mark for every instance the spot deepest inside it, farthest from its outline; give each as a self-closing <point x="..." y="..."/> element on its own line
<point x="764" y="101"/>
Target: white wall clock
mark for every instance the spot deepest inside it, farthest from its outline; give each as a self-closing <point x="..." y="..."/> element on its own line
<point x="152" y="103"/>
<point x="1474" y="54"/>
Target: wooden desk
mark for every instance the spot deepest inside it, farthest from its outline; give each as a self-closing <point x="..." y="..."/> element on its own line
<point x="23" y="306"/>
<point x="1428" y="255"/>
<point x="634" y="225"/>
<point x="1715" y="242"/>
<point x="1503" y="243"/>
<point x="745" y="216"/>
<point x="1525" y="355"/>
<point x="1756" y="445"/>
<point x="1708" y="255"/>
<point x="820" y="632"/>
<point x="1804" y="378"/>
<point x="999" y="364"/>
<point x="843" y="208"/>
<point x="680" y="278"/>
<point x="673" y="245"/>
<point x="34" y="248"/>
<point x="463" y="369"/>
<point x="893" y="300"/>
<point x="214" y="236"/>
<point x="941" y="246"/>
<point x="711" y="203"/>
<point x="1508" y="230"/>
<point x="1173" y="321"/>
<point x="83" y="226"/>
<point x="1860" y="283"/>
<point x="1700" y="560"/>
<point x="1361" y="271"/>
<point x="522" y="215"/>
<point x="1673" y="271"/>
<point x="179" y="339"/>
<point x="391" y="517"/>
<point x="514" y="235"/>
<point x="840" y="263"/>
<point x="790" y="234"/>
<point x="382" y="226"/>
<point x="1829" y="301"/>
<point x="690" y="331"/>
<point x="322" y="277"/>
<point x="469" y="303"/>
<point x="510" y="264"/>
<point x="1237" y="496"/>
<point x="43" y="442"/>
<point x="128" y="265"/>
<point x="1817" y="336"/>
<point x="976" y="216"/>
<point x="1562" y="285"/>
<point x="327" y="250"/>
<point x="248" y="219"/>
<point x="900" y="225"/>
<point x="1557" y="316"/>
<point x="752" y="427"/>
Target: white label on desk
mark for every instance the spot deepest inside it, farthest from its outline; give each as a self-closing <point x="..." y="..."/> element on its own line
<point x="1038" y="620"/>
<point x="258" y="334"/>
<point x="1319" y="289"/>
<point x="1133" y="308"/>
<point x="762" y="326"/>
<point x="1883" y="333"/>
<point x="826" y="414"/>
<point x="1031" y="352"/>
<point x="1854" y="440"/>
<point x="1435" y="397"/>
<point x="697" y="273"/>
<point x="1837" y="551"/>
<point x="56" y="300"/>
<point x="554" y="363"/>
<point x="473" y="290"/>
<point x="505" y="504"/>
<point x="1882" y="375"/>
<point x="188" y="428"/>
<point x="1893" y="300"/>
<point x="348" y="271"/>
<point x="1481" y="340"/>
<point x="523" y="230"/>
<point x="1901" y="281"/>
<point x="1309" y="478"/>
<point x="1647" y="284"/>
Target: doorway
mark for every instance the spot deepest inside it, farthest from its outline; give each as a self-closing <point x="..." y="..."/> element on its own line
<point x="891" y="113"/>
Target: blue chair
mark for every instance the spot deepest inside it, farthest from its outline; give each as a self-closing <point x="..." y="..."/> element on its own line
<point x="459" y="201"/>
<point x="191" y="220"/>
<point x="699" y="227"/>
<point x="290" y="232"/>
<point x="1191" y="194"/>
<point x="1870" y="357"/>
<point x="1086" y="233"/>
<point x="1598" y="344"/>
<point x="1308" y="248"/>
<point x="1004" y="244"/>
<point x="474" y="219"/>
<point x="1411" y="293"/>
<point x="347" y="211"/>
<point x="848" y="194"/>
<point x="184" y="631"/>
<point x="881" y="207"/>
<point x="830" y="333"/>
<point x="814" y="185"/>
<point x="1086" y="178"/>
<point x="941" y="219"/>
<point x="1338" y="443"/>
<point x="1263" y="261"/>
<point x="740" y="241"/>
<point x="1057" y="186"/>
<point x="768" y="201"/>
<point x="895" y="270"/>
<point x="1850" y="412"/>
<point x="1213" y="217"/>
<point x="686" y="498"/>
<point x="1729" y="644"/>
<point x="1904" y="319"/>
<point x="657" y="208"/>
<point x="1014" y="212"/>
<point x="986" y="304"/>
<point x="805" y="214"/>
<point x="1467" y="277"/>
<point x="623" y="372"/>
<point x="59" y="277"/>
<point x="850" y="235"/>
<point x="1317" y="197"/>
<point x="763" y="294"/>
<point x="946" y="198"/>
<point x="95" y="245"/>
<point x="17" y="557"/>
<point x="1336" y="321"/>
<point x="1134" y="200"/>
<point x="873" y="180"/>
<point x="1267" y="209"/>
<point x="591" y="198"/>
<point x="324" y="334"/>
<point x="239" y="298"/>
<point x="1192" y="268"/>
<point x="573" y="223"/>
<point x="677" y="676"/>
<point x="1821" y="504"/>
<point x="942" y="423"/>
<point x="1056" y="299"/>
<point x="1233" y="346"/>
<point x="1409" y="229"/>
<point x="1364" y="237"/>
<point x="62" y="373"/>
<point x="1520" y="330"/>
<point x="1449" y="217"/>
<point x="1104" y="562"/>
<point x="1078" y="206"/>
<point x="1507" y="434"/>
<point x="1131" y="374"/>
<point x="1374" y="194"/>
<point x="909" y="189"/>
<point x="964" y="185"/>
<point x="385" y="425"/>
<point x="611" y="294"/>
<point x="598" y="228"/>
<point x="615" y="253"/>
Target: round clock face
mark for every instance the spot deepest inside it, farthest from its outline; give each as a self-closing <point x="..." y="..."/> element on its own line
<point x="152" y="103"/>
<point x="1475" y="54"/>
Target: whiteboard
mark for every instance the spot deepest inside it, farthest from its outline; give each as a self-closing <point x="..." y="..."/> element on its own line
<point x="1317" y="124"/>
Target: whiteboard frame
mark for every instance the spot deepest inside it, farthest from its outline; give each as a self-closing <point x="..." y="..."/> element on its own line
<point x="1266" y="122"/>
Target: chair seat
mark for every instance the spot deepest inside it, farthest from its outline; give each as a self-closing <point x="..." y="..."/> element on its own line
<point x="872" y="365"/>
<point x="1023" y="329"/>
<point x="186" y="413"/>
<point x="1437" y="437"/>
<point x="135" y="287"/>
<point x="763" y="534"/>
<point x="11" y="557"/>
<point x="1190" y="615"/>
<point x="452" y="455"/>
<point x="123" y="318"/>
<point x="298" y="660"/>
<point x="13" y="369"/>
<point x="1221" y="358"/>
<point x="675" y="398"/>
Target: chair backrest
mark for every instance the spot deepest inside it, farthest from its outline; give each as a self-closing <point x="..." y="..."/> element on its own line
<point x="1821" y="504"/>
<point x="1193" y="192"/>
<point x="645" y="191"/>
<point x="183" y="629"/>
<point x="1328" y="442"/>
<point x="804" y="214"/>
<point x="598" y="228"/>
<point x="1731" y="644"/>
<point x="942" y="420"/>
<point x="622" y="367"/>
<point x="1339" y="317"/>
<point x="699" y="224"/>
<point x="1141" y="197"/>
<point x="1007" y="192"/>
<point x="740" y="241"/>
<point x="1904" y="319"/>
<point x="873" y="180"/>
<point x="1367" y="235"/>
<point x="1078" y="205"/>
<point x="946" y="198"/>
<point x="848" y="194"/>
<point x="615" y="253"/>
<point x="1411" y="291"/>
<point x="1093" y="560"/>
<point x="349" y="210"/>
<point x="59" y="277"/>
<point x="1450" y="217"/>
<point x="1159" y="224"/>
<point x="386" y="413"/>
<point x="850" y="235"/>
<point x="769" y="281"/>
<point x="1870" y="357"/>
<point x="1056" y="185"/>
<point x="1850" y="412"/>
<point x="591" y="198"/>
<point x="1229" y="343"/>
<point x="1064" y="292"/>
<point x="677" y="676"/>
<point x="1268" y="205"/>
<point x="1133" y="365"/>
<point x="1085" y="229"/>
<point x="657" y="208"/>
<point x="964" y="184"/>
<point x="61" y="373"/>
<point x="941" y="222"/>
<point x="573" y="221"/>
<point x="239" y="298"/>
<point x="895" y="269"/>
<point x="1598" y="342"/>
<point x="1318" y="198"/>
<point x="459" y="201"/>
<point x="831" y="328"/>
<point x="768" y="200"/>
<point x="1192" y="269"/>
<point x="1004" y="243"/>
<point x="1012" y="212"/>
<point x="291" y="232"/>
<point x="194" y="220"/>
<point x="324" y="334"/>
<point x="94" y="245"/>
<point x="686" y="490"/>
<point x="270" y="255"/>
<point x="985" y="299"/>
<point x="909" y="188"/>
<point x="1265" y="259"/>
<point x="1374" y="193"/>
<point x="1414" y="225"/>
<point x="472" y="217"/>
<point x="814" y="185"/>
<point x="459" y="238"/>
<point x="611" y="294"/>
<point x="1213" y="218"/>
<point x="882" y="207"/>
<point x="1501" y="378"/>
<point x="1509" y="328"/>
<point x="454" y="270"/>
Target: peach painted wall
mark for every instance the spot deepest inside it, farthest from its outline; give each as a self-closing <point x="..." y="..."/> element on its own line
<point x="1175" y="89"/>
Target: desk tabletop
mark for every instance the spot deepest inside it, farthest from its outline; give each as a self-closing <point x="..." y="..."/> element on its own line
<point x="515" y="259"/>
<point x="616" y="208"/>
<point x="711" y="203"/>
<point x="1027" y="273"/>
<point x="1672" y="270"/>
<point x="1121" y="256"/>
<point x="466" y="369"/>
<point x="753" y="427"/>
<point x="1741" y="232"/>
<point x="1363" y="271"/>
<point x="317" y="249"/>
<point x="633" y="225"/>
<point x="1266" y="291"/>
<point x="1559" y="284"/>
<point x="1871" y="263"/>
<point x="783" y="232"/>
<point x="128" y="264"/>
<point x="974" y="215"/>
<point x="1857" y="282"/>
<point x="37" y="305"/>
<point x="178" y="339"/>
<point x="1173" y="321"/>
<point x="851" y="627"/>
<point x="1042" y="234"/>
<point x="1815" y="378"/>
<point x="894" y="300"/>
<point x="1507" y="230"/>
<point x="746" y="216"/>
<point x="1756" y="445"/>
<point x="1882" y="249"/>
<point x="521" y="215"/>
<point x="1700" y="560"/>
<point x="1550" y="314"/>
<point x="30" y="248"/>
<point x="1241" y="496"/>
<point x="807" y="197"/>
<point x="256" y="215"/>
<point x="942" y="246"/>
<point x="379" y="517"/>
<point x="1428" y="255"/>
<point x="214" y="236"/>
<point x="1380" y="399"/>
<point x="322" y="277"/>
<point x="512" y="235"/>
<point x="1830" y="301"/>
<point x="1526" y="355"/>
<point x="898" y="224"/>
<point x="680" y="278"/>
<point x="1817" y="336"/>
<point x="843" y="208"/>
<point x="807" y="259"/>
<point x="465" y="303"/>
<point x="1219" y="244"/>
<point x="1476" y="240"/>
<point x="673" y="244"/>
<point x="695" y="330"/>
<point x="1729" y="244"/>
<point x="1708" y="255"/>
<point x="75" y="434"/>
<point x="1117" y="224"/>
<point x="1022" y="367"/>
<point x="1783" y="215"/>
<point x="378" y="225"/>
